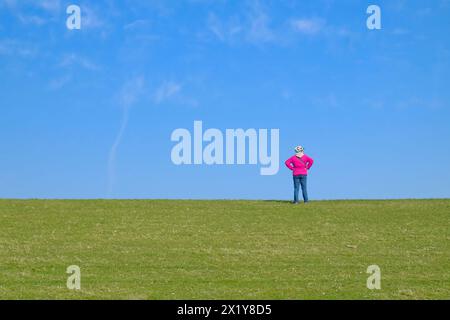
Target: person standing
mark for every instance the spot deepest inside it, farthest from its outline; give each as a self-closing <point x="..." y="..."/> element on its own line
<point x="299" y="164"/>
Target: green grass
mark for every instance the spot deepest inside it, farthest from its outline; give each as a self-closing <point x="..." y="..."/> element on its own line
<point x="224" y="249"/>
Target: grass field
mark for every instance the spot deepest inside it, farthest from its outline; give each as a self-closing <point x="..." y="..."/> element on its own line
<point x="224" y="249"/>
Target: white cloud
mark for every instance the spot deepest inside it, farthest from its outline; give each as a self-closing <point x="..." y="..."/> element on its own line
<point x="166" y="91"/>
<point x="420" y="102"/>
<point x="171" y="91"/>
<point x="11" y="4"/>
<point x="69" y="63"/>
<point x="131" y="91"/>
<point x="59" y="83"/>
<point x="225" y="31"/>
<point x="328" y="100"/>
<point x="308" y="26"/>
<point x="31" y="19"/>
<point x="90" y="18"/>
<point x="10" y="47"/>
<point x="137" y="24"/>
<point x="51" y="6"/>
<point x="47" y="5"/>
<point x="253" y="26"/>
<point x="400" y="32"/>
<point x="424" y="12"/>
<point x="259" y="25"/>
<point x="73" y="59"/>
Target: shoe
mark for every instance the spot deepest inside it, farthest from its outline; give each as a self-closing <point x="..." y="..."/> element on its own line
<point x="293" y="202"/>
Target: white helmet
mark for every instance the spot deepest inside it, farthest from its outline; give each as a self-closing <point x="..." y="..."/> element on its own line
<point x="299" y="149"/>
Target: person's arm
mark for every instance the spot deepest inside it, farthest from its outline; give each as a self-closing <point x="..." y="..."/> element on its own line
<point x="288" y="164"/>
<point x="310" y="163"/>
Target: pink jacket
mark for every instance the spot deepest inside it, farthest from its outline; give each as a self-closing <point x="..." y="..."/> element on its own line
<point x="299" y="166"/>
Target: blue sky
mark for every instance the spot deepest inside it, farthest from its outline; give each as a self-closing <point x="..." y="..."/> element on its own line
<point x="89" y="113"/>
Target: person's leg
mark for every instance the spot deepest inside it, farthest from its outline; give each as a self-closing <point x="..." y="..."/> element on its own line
<point x="303" y="182"/>
<point x="296" y="188"/>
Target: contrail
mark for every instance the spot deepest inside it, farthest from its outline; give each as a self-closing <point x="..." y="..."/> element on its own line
<point x="113" y="150"/>
<point x="128" y="96"/>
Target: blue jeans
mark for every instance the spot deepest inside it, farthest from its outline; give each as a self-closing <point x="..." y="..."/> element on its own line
<point x="300" y="181"/>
